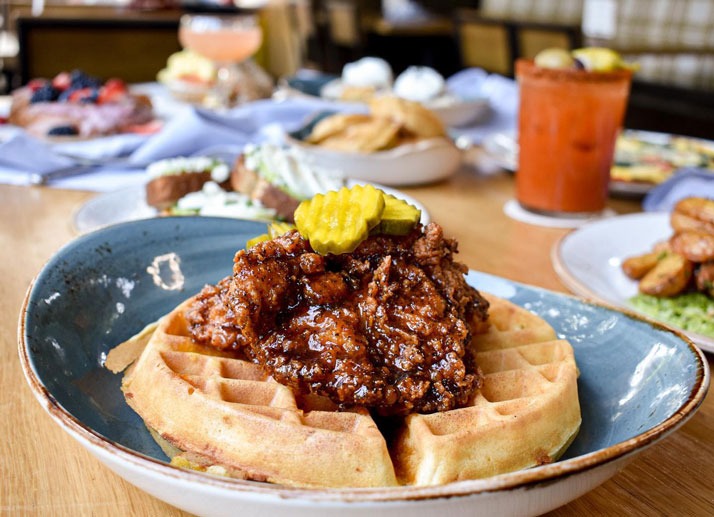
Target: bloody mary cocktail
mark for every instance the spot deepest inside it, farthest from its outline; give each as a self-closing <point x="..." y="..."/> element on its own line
<point x="569" y="120"/>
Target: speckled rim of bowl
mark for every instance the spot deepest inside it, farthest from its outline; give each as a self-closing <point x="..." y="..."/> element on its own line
<point x="532" y="477"/>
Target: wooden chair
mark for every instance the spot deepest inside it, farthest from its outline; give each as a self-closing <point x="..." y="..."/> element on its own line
<point x="499" y="32"/>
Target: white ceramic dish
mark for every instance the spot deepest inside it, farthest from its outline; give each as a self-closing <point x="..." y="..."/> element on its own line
<point x="460" y="112"/>
<point x="130" y="205"/>
<point x="589" y="260"/>
<point x="655" y="386"/>
<point x="425" y="161"/>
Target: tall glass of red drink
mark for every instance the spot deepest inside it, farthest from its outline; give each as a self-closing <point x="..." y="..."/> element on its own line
<point x="569" y="120"/>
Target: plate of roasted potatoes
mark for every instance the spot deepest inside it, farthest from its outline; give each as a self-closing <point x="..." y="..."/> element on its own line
<point x="660" y="264"/>
<point x="395" y="143"/>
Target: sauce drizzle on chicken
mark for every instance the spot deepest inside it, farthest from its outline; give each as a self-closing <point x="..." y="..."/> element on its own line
<point x="387" y="326"/>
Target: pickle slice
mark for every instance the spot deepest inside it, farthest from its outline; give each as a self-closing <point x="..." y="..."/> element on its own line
<point x="398" y="217"/>
<point x="275" y="229"/>
<point x="278" y="228"/>
<point x="256" y="240"/>
<point x="338" y="221"/>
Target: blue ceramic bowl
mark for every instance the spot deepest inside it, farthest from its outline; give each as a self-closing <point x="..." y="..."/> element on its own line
<point x="638" y="381"/>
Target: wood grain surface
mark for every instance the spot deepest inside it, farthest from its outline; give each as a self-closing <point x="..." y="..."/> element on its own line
<point x="45" y="472"/>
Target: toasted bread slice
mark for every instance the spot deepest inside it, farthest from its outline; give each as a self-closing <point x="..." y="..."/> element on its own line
<point x="247" y="181"/>
<point x="164" y="191"/>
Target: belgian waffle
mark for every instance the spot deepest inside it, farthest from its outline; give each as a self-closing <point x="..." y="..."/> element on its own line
<point x="226" y="415"/>
<point x="228" y="410"/>
<point x="525" y="414"/>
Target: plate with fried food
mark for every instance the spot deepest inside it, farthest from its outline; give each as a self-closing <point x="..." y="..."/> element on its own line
<point x="397" y="143"/>
<point x="660" y="264"/>
<point x="376" y="376"/>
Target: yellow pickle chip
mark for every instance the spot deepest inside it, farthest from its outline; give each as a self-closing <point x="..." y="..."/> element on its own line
<point x="275" y="229"/>
<point x="398" y="217"/>
<point x="278" y="228"/>
<point x="338" y="221"/>
<point x="258" y="239"/>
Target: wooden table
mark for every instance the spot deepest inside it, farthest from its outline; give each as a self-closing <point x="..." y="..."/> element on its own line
<point x="45" y="472"/>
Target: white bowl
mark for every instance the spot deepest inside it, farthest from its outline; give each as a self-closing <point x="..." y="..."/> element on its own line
<point x="459" y="112"/>
<point x="425" y="161"/>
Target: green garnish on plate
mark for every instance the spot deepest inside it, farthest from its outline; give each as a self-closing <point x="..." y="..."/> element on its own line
<point x="693" y="312"/>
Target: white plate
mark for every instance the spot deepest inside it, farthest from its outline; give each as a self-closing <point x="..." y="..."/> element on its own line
<point x="130" y="205"/>
<point x="589" y="260"/>
<point x="460" y="112"/>
<point x="453" y="111"/>
<point x="425" y="161"/>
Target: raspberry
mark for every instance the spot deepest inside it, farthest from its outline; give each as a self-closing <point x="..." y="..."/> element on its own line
<point x="62" y="81"/>
<point x="84" y="95"/>
<point x="112" y="90"/>
<point x="36" y="84"/>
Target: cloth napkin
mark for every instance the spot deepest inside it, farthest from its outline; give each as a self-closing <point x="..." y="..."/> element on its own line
<point x="502" y="95"/>
<point x="684" y="183"/>
<point x="23" y="156"/>
<point x="119" y="161"/>
<point x="192" y="131"/>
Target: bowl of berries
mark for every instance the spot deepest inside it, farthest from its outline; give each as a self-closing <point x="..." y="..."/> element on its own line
<point x="78" y="105"/>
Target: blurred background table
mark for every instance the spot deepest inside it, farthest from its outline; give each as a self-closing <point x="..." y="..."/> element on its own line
<point x="672" y="92"/>
<point x="45" y="472"/>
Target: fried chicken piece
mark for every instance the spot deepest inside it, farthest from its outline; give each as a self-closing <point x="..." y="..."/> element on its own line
<point x="386" y="326"/>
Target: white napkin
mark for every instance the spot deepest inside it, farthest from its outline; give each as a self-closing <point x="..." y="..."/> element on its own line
<point x="195" y="130"/>
<point x="191" y="132"/>
<point x="502" y="95"/>
<point x="23" y="156"/>
<point x="683" y="183"/>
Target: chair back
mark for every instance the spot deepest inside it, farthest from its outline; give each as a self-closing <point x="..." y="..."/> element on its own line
<point x="134" y="49"/>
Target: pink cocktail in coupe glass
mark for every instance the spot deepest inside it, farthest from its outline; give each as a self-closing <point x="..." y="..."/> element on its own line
<point x="227" y="40"/>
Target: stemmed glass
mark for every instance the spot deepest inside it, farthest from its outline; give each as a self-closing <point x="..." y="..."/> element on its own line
<point x="228" y="40"/>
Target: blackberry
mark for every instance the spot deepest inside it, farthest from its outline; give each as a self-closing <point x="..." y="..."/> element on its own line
<point x="63" y="131"/>
<point x="45" y="93"/>
<point x="79" y="79"/>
